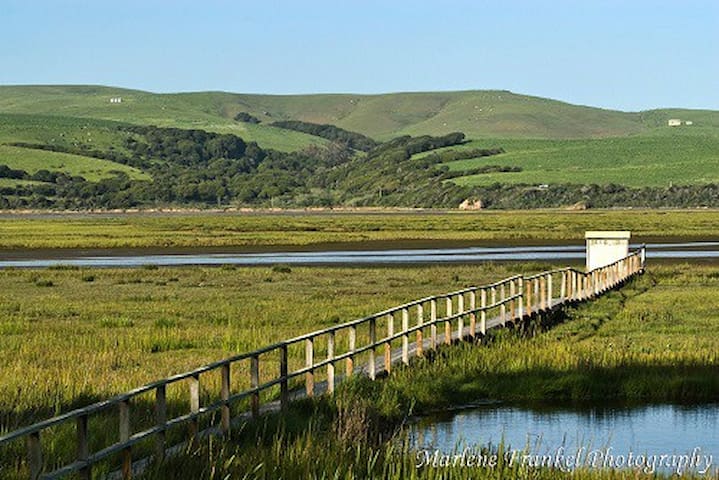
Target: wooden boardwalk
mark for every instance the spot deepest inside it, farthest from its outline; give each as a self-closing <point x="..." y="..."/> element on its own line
<point x="266" y="380"/>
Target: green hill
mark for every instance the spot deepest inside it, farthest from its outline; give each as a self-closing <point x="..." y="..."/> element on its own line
<point x="206" y="111"/>
<point x="479" y="114"/>
<point x="673" y="157"/>
<point x="522" y="152"/>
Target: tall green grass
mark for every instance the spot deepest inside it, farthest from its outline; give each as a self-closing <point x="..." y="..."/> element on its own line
<point x="638" y="344"/>
<point x="297" y="229"/>
<point x="73" y="342"/>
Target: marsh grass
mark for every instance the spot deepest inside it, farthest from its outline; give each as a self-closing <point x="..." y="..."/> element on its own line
<point x="635" y="345"/>
<point x="215" y="230"/>
<point x="80" y="342"/>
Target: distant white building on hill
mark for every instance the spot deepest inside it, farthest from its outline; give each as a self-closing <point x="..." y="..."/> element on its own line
<point x="675" y="122"/>
<point x="116" y="100"/>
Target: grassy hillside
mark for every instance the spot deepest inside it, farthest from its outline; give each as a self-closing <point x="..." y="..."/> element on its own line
<point x="92" y="169"/>
<point x="542" y="141"/>
<point x="200" y="111"/>
<point x="679" y="157"/>
<point x="476" y="113"/>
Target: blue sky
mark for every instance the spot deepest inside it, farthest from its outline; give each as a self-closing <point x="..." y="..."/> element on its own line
<point x="628" y="55"/>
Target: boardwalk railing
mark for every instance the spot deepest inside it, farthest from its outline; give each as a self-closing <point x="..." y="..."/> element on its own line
<point x="379" y="340"/>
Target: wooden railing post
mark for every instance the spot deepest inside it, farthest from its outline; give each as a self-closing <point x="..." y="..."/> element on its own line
<point x="419" y="341"/>
<point x="520" y="303"/>
<point x="372" y="351"/>
<point x="483" y="312"/>
<point x="460" y="320"/>
<point x="83" y="447"/>
<point x="284" y="382"/>
<point x="225" y="396"/>
<point x="193" y="425"/>
<point x="124" y="437"/>
<point x="503" y="306"/>
<point x="536" y="293"/>
<point x="549" y="291"/>
<point x="331" y="364"/>
<point x="542" y="282"/>
<point x="352" y="345"/>
<point x="405" y="336"/>
<point x="310" y="363"/>
<point x="448" y="323"/>
<point x="512" y="303"/>
<point x="563" y="287"/>
<point x="34" y="455"/>
<point x="473" y="315"/>
<point x="388" y="345"/>
<point x="160" y="421"/>
<point x="433" y="324"/>
<point x="254" y="384"/>
<point x="529" y="291"/>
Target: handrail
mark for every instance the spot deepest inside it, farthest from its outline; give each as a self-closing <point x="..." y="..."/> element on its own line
<point x="509" y="299"/>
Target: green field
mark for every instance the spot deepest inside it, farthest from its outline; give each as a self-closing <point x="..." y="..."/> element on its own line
<point x="678" y="157"/>
<point x="92" y="169"/>
<point x="301" y="228"/>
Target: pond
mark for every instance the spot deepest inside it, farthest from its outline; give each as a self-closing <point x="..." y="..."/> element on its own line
<point x="669" y="439"/>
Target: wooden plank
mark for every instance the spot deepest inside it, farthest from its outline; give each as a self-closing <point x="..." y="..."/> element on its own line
<point x="448" y="323"/>
<point x="405" y="337"/>
<point x="284" y="383"/>
<point x="372" y="367"/>
<point x="549" y="291"/>
<point x="419" y="340"/>
<point x="160" y="421"/>
<point x="225" y="396"/>
<point x="351" y="346"/>
<point x="433" y="326"/>
<point x="83" y="446"/>
<point x="512" y="303"/>
<point x="528" y="296"/>
<point x="331" y="364"/>
<point x="473" y="315"/>
<point x="460" y="320"/>
<point x="503" y="306"/>
<point x="483" y="312"/>
<point x="124" y="437"/>
<point x="388" y="345"/>
<point x="309" y="363"/>
<point x="34" y="455"/>
<point x="193" y="425"/>
<point x="254" y="383"/>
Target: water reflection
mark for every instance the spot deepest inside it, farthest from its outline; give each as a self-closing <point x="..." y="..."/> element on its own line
<point x="648" y="431"/>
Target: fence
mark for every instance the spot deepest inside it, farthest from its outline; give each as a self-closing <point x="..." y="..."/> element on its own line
<point x="415" y="327"/>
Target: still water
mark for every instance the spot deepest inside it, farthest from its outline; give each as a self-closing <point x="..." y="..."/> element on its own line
<point x="600" y="437"/>
<point x="688" y="250"/>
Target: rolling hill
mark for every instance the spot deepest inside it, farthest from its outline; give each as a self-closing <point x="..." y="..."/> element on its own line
<point x="543" y="152"/>
<point x="479" y="114"/>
